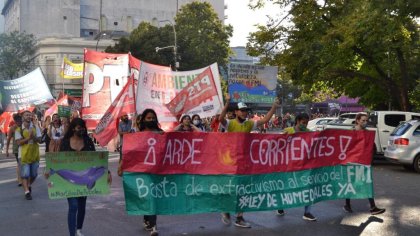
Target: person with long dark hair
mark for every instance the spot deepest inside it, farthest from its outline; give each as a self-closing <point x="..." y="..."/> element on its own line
<point x="186" y="125"/>
<point x="55" y="133"/>
<point x="76" y="139"/>
<point x="148" y="122"/>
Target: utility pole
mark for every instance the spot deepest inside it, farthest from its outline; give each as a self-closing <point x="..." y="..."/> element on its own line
<point x="100" y="16"/>
<point x="176" y="63"/>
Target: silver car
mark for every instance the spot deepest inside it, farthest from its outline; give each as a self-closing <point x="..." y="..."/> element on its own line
<point x="404" y="145"/>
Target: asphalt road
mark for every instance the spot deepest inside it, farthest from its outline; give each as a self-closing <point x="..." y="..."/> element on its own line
<point x="396" y="190"/>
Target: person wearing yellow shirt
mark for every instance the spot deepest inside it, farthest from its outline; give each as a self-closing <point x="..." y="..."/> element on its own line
<point x="241" y="124"/>
<point x="300" y="126"/>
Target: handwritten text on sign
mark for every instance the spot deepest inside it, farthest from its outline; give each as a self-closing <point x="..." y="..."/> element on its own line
<point x="238" y="153"/>
<point x="158" y="194"/>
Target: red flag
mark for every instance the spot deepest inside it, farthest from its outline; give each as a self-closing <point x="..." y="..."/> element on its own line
<point x="124" y="102"/>
<point x="196" y="92"/>
<point x="64" y="100"/>
<point x="5" y="120"/>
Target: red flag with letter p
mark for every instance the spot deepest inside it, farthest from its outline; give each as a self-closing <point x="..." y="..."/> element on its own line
<point x="196" y="92"/>
<point x="124" y="102"/>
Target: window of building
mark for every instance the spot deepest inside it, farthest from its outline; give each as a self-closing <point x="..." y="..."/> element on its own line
<point x="50" y="67"/>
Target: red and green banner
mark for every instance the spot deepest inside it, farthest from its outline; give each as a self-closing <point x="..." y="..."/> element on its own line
<point x="240" y="153"/>
<point x="75" y="174"/>
<point x="149" y="194"/>
<point x="187" y="173"/>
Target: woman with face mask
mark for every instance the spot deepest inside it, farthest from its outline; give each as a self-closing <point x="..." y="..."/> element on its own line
<point x="147" y="122"/>
<point x="360" y="124"/>
<point x="186" y="125"/>
<point x="76" y="139"/>
<point x="198" y="123"/>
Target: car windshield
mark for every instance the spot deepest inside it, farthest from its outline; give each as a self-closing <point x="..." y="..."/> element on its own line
<point x="401" y="129"/>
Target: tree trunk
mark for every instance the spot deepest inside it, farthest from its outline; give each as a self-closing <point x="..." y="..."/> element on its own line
<point x="404" y="101"/>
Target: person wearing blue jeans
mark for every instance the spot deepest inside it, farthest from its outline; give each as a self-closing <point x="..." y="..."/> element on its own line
<point x="76" y="214"/>
<point x="77" y="139"/>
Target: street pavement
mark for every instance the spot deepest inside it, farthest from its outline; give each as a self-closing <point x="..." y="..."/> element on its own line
<point x="396" y="190"/>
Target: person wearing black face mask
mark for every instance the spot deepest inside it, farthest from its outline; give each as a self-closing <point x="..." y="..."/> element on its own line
<point x="148" y="122"/>
<point x="241" y="124"/>
<point x="77" y="139"/>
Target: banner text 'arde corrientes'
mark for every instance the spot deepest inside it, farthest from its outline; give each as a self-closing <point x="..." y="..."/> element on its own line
<point x="238" y="153"/>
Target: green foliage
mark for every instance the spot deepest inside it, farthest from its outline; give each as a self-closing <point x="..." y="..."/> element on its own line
<point x="202" y="39"/>
<point x="366" y="49"/>
<point x="142" y="43"/>
<point x="16" y="54"/>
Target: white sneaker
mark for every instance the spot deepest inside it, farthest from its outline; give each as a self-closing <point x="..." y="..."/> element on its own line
<point x="79" y="232"/>
<point x="154" y="232"/>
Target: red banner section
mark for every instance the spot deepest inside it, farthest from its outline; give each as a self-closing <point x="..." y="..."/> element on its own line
<point x="195" y="93"/>
<point x="240" y="153"/>
<point x="104" y="77"/>
<point x="5" y="119"/>
<point x="64" y="100"/>
<point x="106" y="131"/>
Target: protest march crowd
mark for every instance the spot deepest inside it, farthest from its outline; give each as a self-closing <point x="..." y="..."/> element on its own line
<point x="196" y="110"/>
<point x="26" y="132"/>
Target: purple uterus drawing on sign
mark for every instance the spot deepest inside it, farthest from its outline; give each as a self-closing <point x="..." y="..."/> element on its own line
<point x="86" y="177"/>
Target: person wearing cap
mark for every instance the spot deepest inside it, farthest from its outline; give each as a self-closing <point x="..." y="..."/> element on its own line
<point x="242" y="124"/>
<point x="124" y="127"/>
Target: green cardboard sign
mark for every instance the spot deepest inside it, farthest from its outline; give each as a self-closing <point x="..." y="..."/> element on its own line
<point x="76" y="174"/>
<point x="64" y="111"/>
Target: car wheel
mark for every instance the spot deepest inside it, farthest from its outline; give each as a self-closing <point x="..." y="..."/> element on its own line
<point x="416" y="163"/>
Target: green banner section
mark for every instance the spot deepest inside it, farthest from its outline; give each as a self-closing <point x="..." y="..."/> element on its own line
<point x="148" y="194"/>
<point x="64" y="111"/>
<point x="75" y="174"/>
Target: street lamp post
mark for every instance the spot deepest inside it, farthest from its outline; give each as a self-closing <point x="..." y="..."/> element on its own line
<point x="176" y="65"/>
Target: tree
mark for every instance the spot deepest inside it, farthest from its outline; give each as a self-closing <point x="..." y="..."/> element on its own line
<point x="202" y="39"/>
<point x="366" y="49"/>
<point x="16" y="54"/>
<point x="142" y="43"/>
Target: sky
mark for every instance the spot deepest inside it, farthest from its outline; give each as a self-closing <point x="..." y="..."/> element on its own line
<point x="243" y="19"/>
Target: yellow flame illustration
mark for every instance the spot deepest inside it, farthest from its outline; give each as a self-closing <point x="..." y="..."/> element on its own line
<point x="226" y="159"/>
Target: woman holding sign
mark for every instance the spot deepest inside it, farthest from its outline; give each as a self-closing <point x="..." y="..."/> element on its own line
<point x="76" y="139"/>
<point x="148" y="122"/>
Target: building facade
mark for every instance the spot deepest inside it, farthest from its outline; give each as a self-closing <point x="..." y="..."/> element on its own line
<point x="64" y="28"/>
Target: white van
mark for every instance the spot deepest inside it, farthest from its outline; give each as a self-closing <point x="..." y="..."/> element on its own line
<point x="383" y="123"/>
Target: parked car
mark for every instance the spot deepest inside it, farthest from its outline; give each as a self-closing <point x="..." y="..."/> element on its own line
<point x="319" y="123"/>
<point x="382" y="122"/>
<point x="404" y="145"/>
